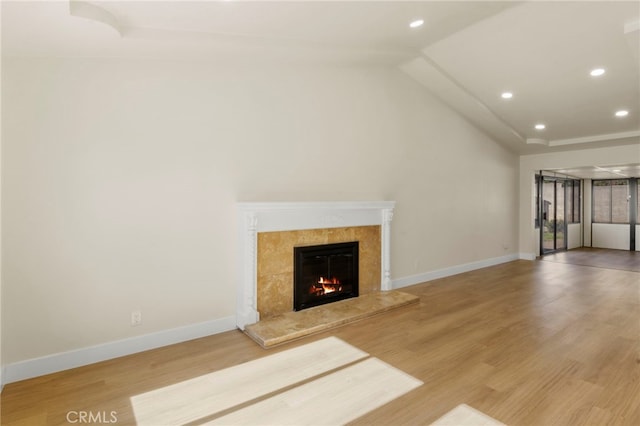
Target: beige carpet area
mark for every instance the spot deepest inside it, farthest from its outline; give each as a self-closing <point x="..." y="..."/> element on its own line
<point x="294" y="386"/>
<point x="463" y="415"/>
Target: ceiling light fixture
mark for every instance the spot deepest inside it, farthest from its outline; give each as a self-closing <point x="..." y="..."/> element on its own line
<point x="417" y="23"/>
<point x="540" y="126"/>
<point x="507" y="95"/>
<point x="622" y="113"/>
<point x="597" y="72"/>
<point x="616" y="170"/>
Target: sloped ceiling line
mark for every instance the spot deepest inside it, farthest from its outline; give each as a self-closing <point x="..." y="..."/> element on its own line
<point x="441" y="84"/>
<point x="91" y="11"/>
<point x="471" y="95"/>
<point x="83" y="9"/>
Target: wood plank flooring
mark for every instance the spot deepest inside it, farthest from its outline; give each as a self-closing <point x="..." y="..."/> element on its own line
<point x="527" y="343"/>
<point x="598" y="258"/>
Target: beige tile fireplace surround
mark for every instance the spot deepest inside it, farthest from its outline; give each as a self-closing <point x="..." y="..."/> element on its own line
<point x="268" y="233"/>
<point x="275" y="262"/>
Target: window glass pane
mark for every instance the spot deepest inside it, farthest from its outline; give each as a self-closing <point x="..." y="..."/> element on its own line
<point x="548" y="214"/>
<point x="619" y="201"/>
<point x="601" y="201"/>
<point x="570" y="201"/>
<point x="576" y="201"/>
<point x="537" y="213"/>
<point x="559" y="223"/>
<point x="638" y="202"/>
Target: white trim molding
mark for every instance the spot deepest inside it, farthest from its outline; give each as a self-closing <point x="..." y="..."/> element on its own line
<point x="292" y="216"/>
<point x="76" y="358"/>
<point x="527" y="256"/>
<point x="595" y="138"/>
<point x="87" y="10"/>
<point x="454" y="270"/>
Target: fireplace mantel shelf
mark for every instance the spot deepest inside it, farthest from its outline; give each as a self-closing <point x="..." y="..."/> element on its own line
<point x="314" y="205"/>
<point x="255" y="217"/>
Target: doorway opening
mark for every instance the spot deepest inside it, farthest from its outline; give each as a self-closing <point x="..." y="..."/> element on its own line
<point x="558" y="206"/>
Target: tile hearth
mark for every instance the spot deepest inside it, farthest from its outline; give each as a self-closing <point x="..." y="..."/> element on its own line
<point x="294" y="325"/>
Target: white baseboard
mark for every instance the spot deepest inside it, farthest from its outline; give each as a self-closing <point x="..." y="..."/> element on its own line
<point x="454" y="270"/>
<point x="63" y="361"/>
<point x="527" y="256"/>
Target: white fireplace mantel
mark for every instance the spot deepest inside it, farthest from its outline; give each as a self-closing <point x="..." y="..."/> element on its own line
<point x="291" y="216"/>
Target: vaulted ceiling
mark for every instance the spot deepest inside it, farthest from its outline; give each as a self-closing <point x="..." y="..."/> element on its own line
<point x="466" y="53"/>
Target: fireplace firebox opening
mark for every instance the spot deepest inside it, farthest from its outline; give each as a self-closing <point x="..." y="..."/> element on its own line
<point x="324" y="274"/>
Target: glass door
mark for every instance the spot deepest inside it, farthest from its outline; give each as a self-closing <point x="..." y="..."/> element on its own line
<point x="553" y="230"/>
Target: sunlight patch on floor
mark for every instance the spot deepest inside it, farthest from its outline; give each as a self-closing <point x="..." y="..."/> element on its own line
<point x="463" y="415"/>
<point x="324" y="372"/>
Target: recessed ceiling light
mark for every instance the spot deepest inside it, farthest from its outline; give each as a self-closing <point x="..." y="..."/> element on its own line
<point x="507" y="95"/>
<point x="622" y="113"/>
<point x="616" y="170"/>
<point x="417" y="23"/>
<point x="597" y="72"/>
<point x="540" y="126"/>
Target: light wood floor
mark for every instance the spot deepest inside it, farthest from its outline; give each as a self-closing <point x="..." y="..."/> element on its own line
<point x="528" y="343"/>
<point x="598" y="258"/>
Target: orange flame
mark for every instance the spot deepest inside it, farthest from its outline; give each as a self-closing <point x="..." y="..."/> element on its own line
<point x="325" y="286"/>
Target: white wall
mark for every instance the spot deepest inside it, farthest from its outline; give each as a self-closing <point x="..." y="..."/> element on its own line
<point x="610" y="235"/>
<point x="574" y="236"/>
<point x="120" y="180"/>
<point x="529" y="164"/>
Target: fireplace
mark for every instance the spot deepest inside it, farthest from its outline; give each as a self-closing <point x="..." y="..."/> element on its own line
<point x="324" y="274"/>
<point x="268" y="233"/>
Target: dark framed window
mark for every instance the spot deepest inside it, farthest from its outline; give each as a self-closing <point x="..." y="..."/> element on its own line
<point x="537" y="213"/>
<point x="573" y="201"/>
<point x="611" y="201"/>
<point x="637" y="202"/>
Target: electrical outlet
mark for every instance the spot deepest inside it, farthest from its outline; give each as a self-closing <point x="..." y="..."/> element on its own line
<point x="136" y="318"/>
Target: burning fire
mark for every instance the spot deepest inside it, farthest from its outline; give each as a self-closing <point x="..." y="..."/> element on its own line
<point x="325" y="286"/>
